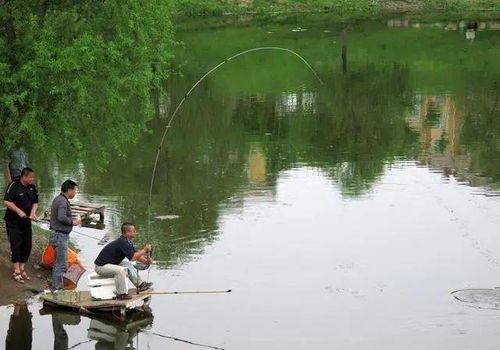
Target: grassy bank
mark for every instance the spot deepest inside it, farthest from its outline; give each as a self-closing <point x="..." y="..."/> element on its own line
<point x="270" y="7"/>
<point x="11" y="291"/>
<point x="347" y="8"/>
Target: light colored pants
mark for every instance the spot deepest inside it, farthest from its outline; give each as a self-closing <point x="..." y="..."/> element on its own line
<point x="120" y="273"/>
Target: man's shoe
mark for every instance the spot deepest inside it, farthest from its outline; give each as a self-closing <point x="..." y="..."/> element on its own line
<point x="145" y="286"/>
<point x="123" y="297"/>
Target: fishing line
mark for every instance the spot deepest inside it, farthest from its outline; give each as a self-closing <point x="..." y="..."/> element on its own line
<point x="80" y="343"/>
<point x="167" y="127"/>
<point x="186" y="341"/>
<point x="101" y="240"/>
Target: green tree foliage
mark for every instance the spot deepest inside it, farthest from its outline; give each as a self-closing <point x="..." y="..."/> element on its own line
<point x="80" y="73"/>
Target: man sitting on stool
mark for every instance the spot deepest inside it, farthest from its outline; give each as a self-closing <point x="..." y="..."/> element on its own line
<point x="109" y="262"/>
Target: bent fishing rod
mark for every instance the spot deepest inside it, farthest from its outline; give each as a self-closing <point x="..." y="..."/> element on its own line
<point x="170" y="121"/>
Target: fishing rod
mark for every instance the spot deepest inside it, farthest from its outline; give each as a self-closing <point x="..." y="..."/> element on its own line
<point x="167" y="127"/>
<point x="191" y="292"/>
<point x="179" y="105"/>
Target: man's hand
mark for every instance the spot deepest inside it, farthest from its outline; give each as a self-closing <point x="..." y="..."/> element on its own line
<point x="77" y="221"/>
<point x="145" y="260"/>
<point x="147" y="248"/>
<point x="22" y="214"/>
<point x="33" y="216"/>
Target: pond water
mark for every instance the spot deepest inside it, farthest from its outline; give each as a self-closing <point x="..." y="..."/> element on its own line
<point x="341" y="214"/>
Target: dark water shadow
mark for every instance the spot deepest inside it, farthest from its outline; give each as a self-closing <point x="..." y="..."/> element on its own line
<point x="107" y="330"/>
<point x="20" y="333"/>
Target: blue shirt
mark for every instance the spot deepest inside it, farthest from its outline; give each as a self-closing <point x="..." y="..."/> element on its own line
<point x="115" y="251"/>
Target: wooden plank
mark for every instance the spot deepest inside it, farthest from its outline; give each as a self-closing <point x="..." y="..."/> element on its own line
<point x="85" y="211"/>
<point x="75" y="299"/>
<point x="79" y="211"/>
<point x="88" y="205"/>
<point x="94" y="210"/>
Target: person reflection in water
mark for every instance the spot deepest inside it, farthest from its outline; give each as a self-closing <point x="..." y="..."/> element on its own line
<point x="60" y="335"/>
<point x="470" y="31"/>
<point x="121" y="340"/>
<point x="106" y="334"/>
<point x="20" y="331"/>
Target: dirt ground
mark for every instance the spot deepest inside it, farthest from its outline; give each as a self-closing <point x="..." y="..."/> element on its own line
<point x="12" y="291"/>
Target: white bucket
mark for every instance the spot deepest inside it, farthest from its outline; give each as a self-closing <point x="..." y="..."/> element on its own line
<point x="102" y="288"/>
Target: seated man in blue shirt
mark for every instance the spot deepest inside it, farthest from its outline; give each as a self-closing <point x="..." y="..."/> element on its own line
<point x="110" y="263"/>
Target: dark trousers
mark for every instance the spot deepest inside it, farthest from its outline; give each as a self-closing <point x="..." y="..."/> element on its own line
<point x="20" y="235"/>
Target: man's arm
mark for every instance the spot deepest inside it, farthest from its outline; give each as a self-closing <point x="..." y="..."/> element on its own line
<point x="139" y="254"/>
<point x="14" y="208"/>
<point x="35" y="205"/>
<point x="33" y="212"/>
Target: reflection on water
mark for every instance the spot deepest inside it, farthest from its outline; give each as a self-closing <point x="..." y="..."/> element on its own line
<point x="106" y="331"/>
<point x="439" y="121"/>
<point x="257" y="172"/>
<point x="446" y="25"/>
<point x="19" y="335"/>
<point x="303" y="103"/>
<point x="60" y="334"/>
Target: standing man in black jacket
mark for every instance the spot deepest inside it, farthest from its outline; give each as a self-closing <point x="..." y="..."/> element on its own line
<point x="21" y="200"/>
<point x="61" y="224"/>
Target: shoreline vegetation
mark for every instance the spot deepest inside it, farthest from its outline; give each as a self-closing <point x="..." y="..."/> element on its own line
<point x="341" y="8"/>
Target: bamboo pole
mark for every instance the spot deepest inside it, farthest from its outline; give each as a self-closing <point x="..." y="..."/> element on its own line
<point x="192" y="292"/>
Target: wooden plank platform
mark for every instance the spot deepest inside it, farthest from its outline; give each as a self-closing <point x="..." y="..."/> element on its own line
<point x="92" y="215"/>
<point x="83" y="299"/>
